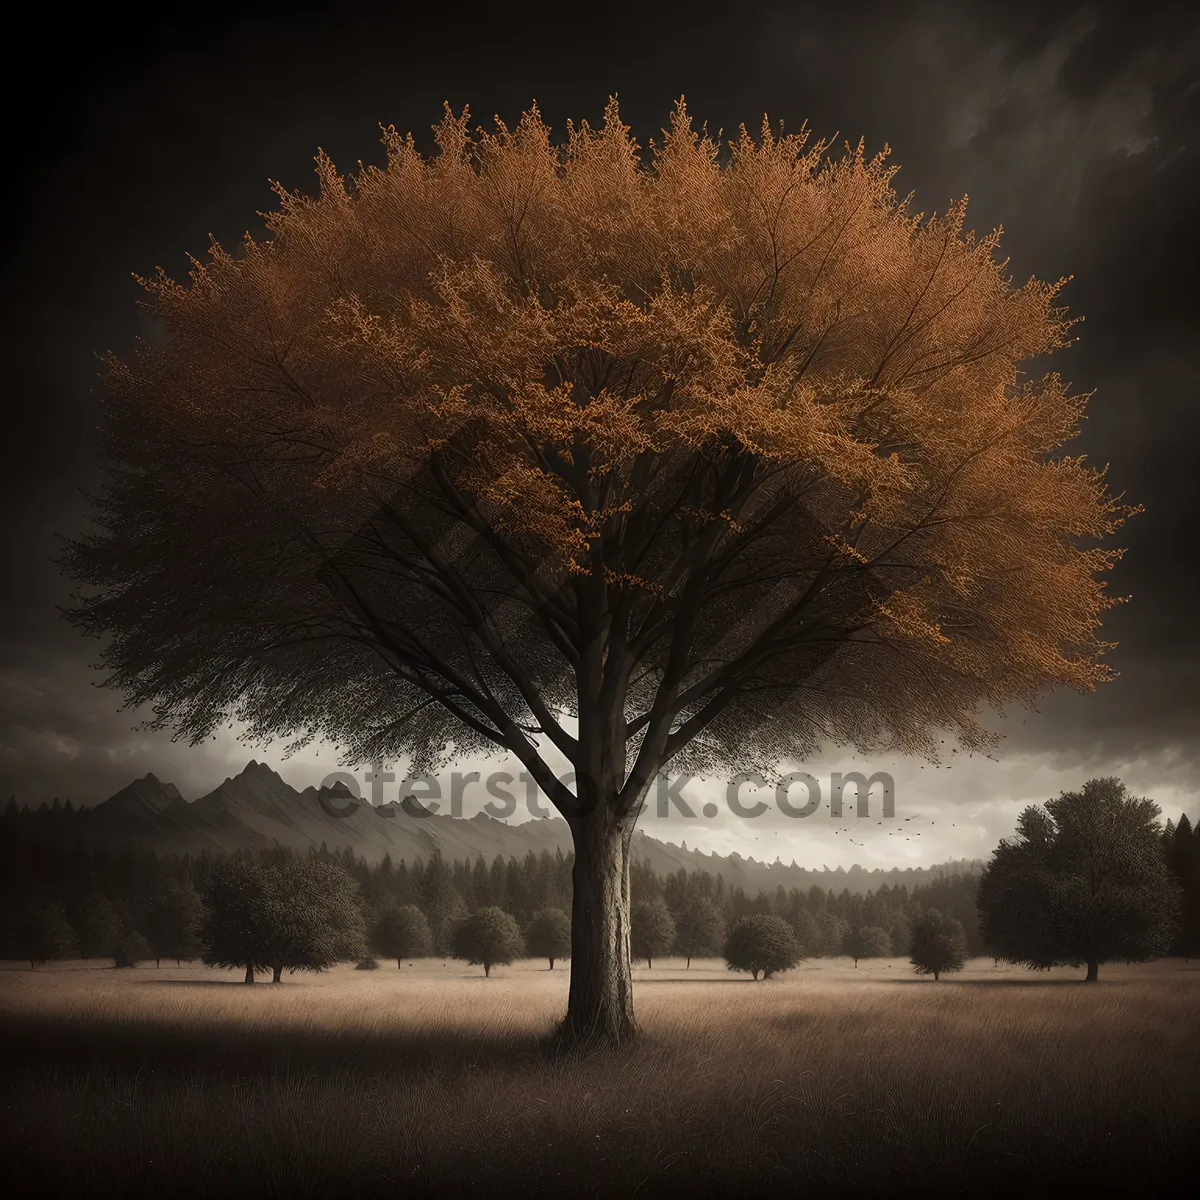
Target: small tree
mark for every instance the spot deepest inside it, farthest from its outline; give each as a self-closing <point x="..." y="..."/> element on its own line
<point x="938" y="944"/>
<point x="761" y="942"/>
<point x="314" y="916"/>
<point x="131" y="948"/>
<point x="98" y="927"/>
<point x="1083" y="881"/>
<point x="401" y="931"/>
<point x="699" y="930"/>
<point x="44" y="933"/>
<point x="549" y="935"/>
<point x="808" y="933"/>
<point x="489" y="936"/>
<point x="172" y="921"/>
<point x="867" y="941"/>
<point x="235" y="912"/>
<point x="652" y="930"/>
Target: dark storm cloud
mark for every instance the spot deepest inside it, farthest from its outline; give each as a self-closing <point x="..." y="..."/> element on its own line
<point x="1074" y="126"/>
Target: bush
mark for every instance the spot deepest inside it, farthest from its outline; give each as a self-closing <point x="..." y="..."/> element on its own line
<point x="367" y="964"/>
<point x="761" y="943"/>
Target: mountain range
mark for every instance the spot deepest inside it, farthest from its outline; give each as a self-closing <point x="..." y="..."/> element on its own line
<point x="257" y="809"/>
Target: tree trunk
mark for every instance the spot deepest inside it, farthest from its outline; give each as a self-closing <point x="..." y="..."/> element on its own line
<point x="277" y="973"/>
<point x="936" y="975"/>
<point x="600" y="1002"/>
<point x="1093" y="970"/>
<point x="487" y="970"/>
<point x="249" y="974"/>
<point x="649" y="963"/>
<point x="552" y="964"/>
<point x="689" y="963"/>
<point x="158" y="963"/>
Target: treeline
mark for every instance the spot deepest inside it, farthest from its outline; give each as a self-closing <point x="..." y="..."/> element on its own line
<point x="314" y="909"/>
<point x="130" y="905"/>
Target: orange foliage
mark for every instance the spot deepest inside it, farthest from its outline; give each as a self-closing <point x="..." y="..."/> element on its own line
<point x="720" y="453"/>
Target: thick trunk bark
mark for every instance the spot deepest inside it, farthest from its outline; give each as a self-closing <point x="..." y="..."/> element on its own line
<point x="487" y="970"/>
<point x="600" y="1002"/>
<point x="276" y="974"/>
<point x="249" y="975"/>
<point x="1093" y="970"/>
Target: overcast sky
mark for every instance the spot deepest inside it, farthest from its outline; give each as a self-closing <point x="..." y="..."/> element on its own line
<point x="146" y="130"/>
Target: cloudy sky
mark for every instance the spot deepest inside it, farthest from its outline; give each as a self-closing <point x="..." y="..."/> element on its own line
<point x="1074" y="128"/>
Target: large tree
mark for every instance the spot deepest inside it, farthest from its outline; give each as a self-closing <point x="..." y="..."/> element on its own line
<point x="1083" y="881"/>
<point x="581" y="454"/>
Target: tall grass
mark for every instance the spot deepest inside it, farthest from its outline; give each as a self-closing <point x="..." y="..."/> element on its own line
<point x="431" y="1079"/>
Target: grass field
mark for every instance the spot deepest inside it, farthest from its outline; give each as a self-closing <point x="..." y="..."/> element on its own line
<point x="431" y="1079"/>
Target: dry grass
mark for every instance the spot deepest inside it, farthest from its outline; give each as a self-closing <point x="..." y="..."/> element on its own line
<point x="433" y="1079"/>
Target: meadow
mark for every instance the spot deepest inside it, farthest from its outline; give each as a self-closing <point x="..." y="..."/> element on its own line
<point x="431" y="1079"/>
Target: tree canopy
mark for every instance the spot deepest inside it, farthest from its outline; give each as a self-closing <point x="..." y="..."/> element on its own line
<point x="572" y="450"/>
<point x="1084" y="880"/>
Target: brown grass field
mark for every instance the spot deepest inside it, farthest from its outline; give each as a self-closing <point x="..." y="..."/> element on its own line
<point x="433" y="1080"/>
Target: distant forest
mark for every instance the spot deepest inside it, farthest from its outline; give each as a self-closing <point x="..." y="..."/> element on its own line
<point x="79" y="882"/>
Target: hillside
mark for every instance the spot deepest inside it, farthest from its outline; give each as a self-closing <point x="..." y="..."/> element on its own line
<point x="257" y="809"/>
